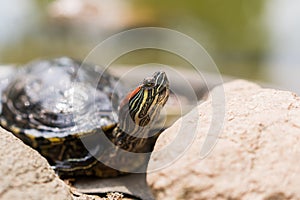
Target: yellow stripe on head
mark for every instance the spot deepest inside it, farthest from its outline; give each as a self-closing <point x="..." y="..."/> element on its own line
<point x="144" y="104"/>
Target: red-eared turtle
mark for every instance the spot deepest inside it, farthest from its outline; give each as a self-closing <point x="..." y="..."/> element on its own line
<point x="78" y="116"/>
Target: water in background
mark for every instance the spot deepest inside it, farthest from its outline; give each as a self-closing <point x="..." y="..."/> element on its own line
<point x="255" y="39"/>
<point x="283" y="59"/>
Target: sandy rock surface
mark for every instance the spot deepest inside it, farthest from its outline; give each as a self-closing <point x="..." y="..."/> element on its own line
<point x="25" y="174"/>
<point x="256" y="155"/>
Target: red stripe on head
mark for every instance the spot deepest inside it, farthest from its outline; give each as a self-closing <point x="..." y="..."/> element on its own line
<point x="129" y="96"/>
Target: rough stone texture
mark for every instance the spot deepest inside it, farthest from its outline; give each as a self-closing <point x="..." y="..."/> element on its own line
<point x="133" y="184"/>
<point x="256" y="155"/>
<point x="24" y="174"/>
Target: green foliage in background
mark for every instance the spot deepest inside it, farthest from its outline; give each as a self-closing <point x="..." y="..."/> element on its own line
<point x="233" y="31"/>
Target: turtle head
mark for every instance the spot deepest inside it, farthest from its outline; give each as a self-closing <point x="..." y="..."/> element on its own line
<point x="142" y="106"/>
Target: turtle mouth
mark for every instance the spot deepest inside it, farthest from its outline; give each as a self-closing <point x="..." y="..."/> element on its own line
<point x="163" y="88"/>
<point x="163" y="95"/>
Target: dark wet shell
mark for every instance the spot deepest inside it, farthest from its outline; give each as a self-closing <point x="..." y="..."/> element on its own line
<point x="67" y="110"/>
<point x="6" y="74"/>
<point x="59" y="98"/>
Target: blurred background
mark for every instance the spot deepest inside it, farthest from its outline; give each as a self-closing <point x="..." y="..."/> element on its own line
<point x="257" y="40"/>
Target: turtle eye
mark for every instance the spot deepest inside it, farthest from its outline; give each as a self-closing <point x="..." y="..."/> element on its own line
<point x="149" y="82"/>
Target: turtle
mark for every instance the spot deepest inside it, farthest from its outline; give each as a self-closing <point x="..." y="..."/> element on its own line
<point x="81" y="118"/>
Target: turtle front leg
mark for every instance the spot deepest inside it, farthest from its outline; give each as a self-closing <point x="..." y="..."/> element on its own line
<point x="75" y="166"/>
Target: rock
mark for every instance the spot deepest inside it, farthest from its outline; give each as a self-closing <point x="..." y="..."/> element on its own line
<point x="134" y="185"/>
<point x="256" y="155"/>
<point x="24" y="174"/>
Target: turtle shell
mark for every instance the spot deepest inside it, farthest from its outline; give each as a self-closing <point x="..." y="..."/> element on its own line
<point x="54" y="102"/>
